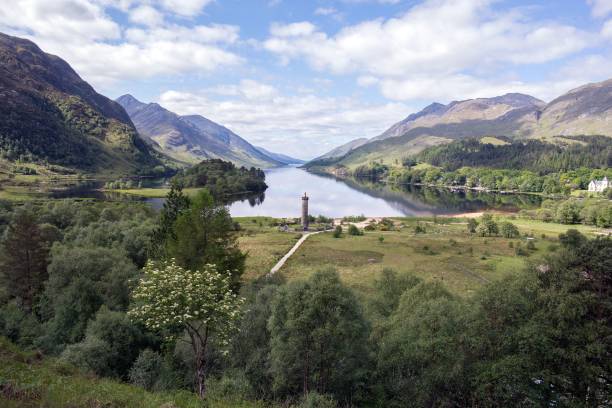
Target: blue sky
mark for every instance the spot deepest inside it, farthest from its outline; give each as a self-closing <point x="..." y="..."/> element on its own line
<point x="302" y="77"/>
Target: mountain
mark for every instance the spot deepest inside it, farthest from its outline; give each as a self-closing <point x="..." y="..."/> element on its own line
<point x="283" y="158"/>
<point x="583" y="111"/>
<point x="192" y="138"/>
<point x="343" y="149"/>
<point x="511" y="114"/>
<point x="48" y="114"/>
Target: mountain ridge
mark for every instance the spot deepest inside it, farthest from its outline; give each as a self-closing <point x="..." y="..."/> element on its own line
<point x="192" y="138"/>
<point x="586" y="110"/>
<point x="50" y="115"/>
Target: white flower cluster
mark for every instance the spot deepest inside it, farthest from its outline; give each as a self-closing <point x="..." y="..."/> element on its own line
<point x="170" y="298"/>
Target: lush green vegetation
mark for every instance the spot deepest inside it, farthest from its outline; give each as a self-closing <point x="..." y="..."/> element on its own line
<point x="535" y="156"/>
<point x="223" y="178"/>
<point x="409" y="312"/>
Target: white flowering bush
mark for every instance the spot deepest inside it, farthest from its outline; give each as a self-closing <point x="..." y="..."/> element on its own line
<point x="172" y="300"/>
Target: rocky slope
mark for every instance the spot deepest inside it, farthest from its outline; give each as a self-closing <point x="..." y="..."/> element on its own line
<point x="283" y="158"/>
<point x="48" y="114"/>
<point x="192" y="138"/>
<point x="583" y="111"/>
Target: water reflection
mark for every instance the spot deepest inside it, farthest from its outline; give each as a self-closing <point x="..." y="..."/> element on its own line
<point x="335" y="198"/>
<point x="328" y="196"/>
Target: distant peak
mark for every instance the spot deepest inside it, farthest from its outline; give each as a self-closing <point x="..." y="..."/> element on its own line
<point x="128" y="102"/>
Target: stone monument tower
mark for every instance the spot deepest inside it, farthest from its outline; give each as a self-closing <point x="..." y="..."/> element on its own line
<point x="305" y="212"/>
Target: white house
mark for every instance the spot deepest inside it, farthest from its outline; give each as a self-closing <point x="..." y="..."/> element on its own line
<point x="598" y="186"/>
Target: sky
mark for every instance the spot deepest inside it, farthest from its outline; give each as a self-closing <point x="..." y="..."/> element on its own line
<point x="302" y="77"/>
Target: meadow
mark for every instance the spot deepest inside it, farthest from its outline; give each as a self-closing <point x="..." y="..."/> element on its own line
<point x="444" y="252"/>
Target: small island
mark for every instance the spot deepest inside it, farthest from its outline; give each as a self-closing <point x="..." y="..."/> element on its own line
<point x="222" y="178"/>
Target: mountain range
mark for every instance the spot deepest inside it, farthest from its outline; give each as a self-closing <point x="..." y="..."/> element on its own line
<point x="51" y="117"/>
<point x="48" y="114"/>
<point x="193" y="138"/>
<point x="583" y="111"/>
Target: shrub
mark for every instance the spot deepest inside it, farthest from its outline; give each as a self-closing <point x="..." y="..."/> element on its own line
<point x="316" y="400"/>
<point x="508" y="230"/>
<point x="337" y="231"/>
<point x="353" y="230"/>
<point x="146" y="369"/>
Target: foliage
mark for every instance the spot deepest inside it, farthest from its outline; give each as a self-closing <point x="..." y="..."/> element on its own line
<point x="170" y="299"/>
<point x="175" y="204"/>
<point x="204" y="234"/>
<point x="354" y="218"/>
<point x="110" y="346"/>
<point x="533" y="155"/>
<point x="338" y="231"/>
<point x="316" y="400"/>
<point x="81" y="280"/>
<point x="353" y="230"/>
<point x="596" y="212"/>
<point x="23" y="265"/>
<point x="318" y="338"/>
<point x="146" y="369"/>
<point x="508" y="230"/>
<point x="223" y="178"/>
<point x="472" y="224"/>
<point x="487" y="226"/>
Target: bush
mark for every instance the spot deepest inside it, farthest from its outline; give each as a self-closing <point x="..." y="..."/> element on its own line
<point x="316" y="400"/>
<point x="353" y="230"/>
<point x="508" y="230"/>
<point x="419" y="229"/>
<point x="146" y="369"/>
<point x="337" y="231"/>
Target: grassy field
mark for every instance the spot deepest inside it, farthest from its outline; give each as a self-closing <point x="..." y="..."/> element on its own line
<point x="28" y="381"/>
<point x="445" y="252"/>
<point x="264" y="244"/>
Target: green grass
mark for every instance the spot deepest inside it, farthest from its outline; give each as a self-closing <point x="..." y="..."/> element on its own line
<point x="264" y="244"/>
<point x="446" y="252"/>
<point x="29" y="381"/>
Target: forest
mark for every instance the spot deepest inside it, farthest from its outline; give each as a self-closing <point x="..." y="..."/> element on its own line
<point x="158" y="300"/>
<point x="533" y="155"/>
<point x="223" y="178"/>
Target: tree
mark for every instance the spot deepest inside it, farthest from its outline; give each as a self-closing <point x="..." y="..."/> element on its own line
<point x="318" y="338"/>
<point x="487" y="226"/>
<point x="176" y="203"/>
<point x="24" y="259"/>
<point x="204" y="234"/>
<point x="421" y="361"/>
<point x="173" y="300"/>
<point x="508" y="230"/>
<point x="471" y="225"/>
<point x="353" y="230"/>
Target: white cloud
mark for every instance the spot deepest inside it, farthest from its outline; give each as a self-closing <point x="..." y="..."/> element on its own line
<point x="325" y="11"/>
<point x="146" y="15"/>
<point x="601" y="8"/>
<point x="188" y="8"/>
<point x="302" y="124"/>
<point x="437" y="39"/>
<point x="103" y="52"/>
<point x="292" y="30"/>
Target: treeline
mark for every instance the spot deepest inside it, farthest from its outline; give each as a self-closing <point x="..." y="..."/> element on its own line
<point x="573" y="211"/>
<point x="72" y="286"/>
<point x="533" y="155"/>
<point x="523" y="181"/>
<point x="223" y="178"/>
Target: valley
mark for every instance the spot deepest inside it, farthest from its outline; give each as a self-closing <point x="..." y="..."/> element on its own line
<point x="152" y="256"/>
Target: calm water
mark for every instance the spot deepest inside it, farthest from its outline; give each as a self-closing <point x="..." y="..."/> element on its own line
<point x="337" y="198"/>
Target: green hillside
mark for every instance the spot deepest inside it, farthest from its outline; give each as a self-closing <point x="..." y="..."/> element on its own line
<point x="50" y="116"/>
<point x="28" y="380"/>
